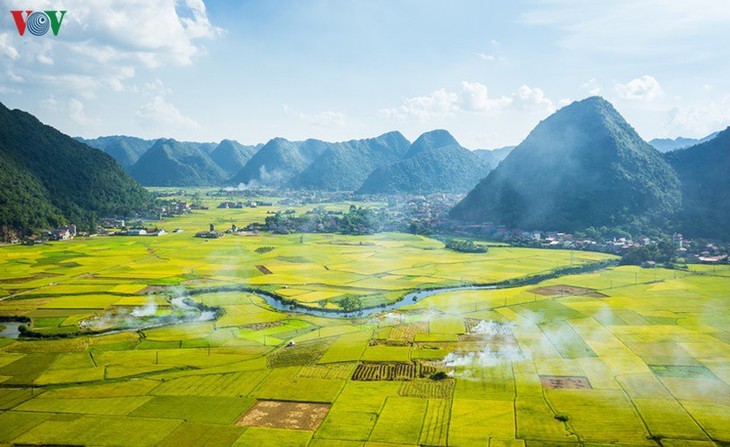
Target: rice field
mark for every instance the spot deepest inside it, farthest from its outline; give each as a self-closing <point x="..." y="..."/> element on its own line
<point x="621" y="356"/>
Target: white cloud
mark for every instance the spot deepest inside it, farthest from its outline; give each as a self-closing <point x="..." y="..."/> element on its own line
<point x="486" y="57"/>
<point x="473" y="97"/>
<point x="106" y="41"/>
<point x="322" y="119"/>
<point x="529" y="97"/>
<point x="645" y="88"/>
<point x="6" y="48"/>
<point x="591" y="86"/>
<point x="76" y="111"/>
<point x="647" y="28"/>
<point x="698" y="121"/>
<point x="160" y="112"/>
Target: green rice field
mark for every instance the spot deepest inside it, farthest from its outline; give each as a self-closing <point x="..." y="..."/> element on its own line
<point x="619" y="356"/>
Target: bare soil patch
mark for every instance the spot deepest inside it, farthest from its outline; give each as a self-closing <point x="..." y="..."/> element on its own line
<point x="564" y="289"/>
<point x="262" y="326"/>
<point x="264" y="270"/>
<point x="565" y="383"/>
<point x="392" y="371"/>
<point x="282" y="414"/>
<point x="28" y="278"/>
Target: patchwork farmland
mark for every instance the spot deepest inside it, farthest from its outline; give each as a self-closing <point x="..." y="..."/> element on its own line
<point x="620" y="355"/>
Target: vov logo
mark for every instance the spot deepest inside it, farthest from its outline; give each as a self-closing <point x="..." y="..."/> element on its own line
<point x="39" y="22"/>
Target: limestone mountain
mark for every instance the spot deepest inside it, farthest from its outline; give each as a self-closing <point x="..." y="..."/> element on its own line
<point x="582" y="166"/>
<point x="344" y="166"/>
<point x="173" y="163"/>
<point x="232" y="156"/>
<point x="124" y="149"/>
<point x="435" y="162"/>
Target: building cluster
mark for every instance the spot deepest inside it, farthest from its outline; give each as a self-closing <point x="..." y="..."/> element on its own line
<point x="247" y="204"/>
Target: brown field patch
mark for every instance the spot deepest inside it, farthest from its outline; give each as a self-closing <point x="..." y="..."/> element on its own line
<point x="564" y="289"/>
<point x="392" y="371"/>
<point x="28" y="278"/>
<point x="262" y="326"/>
<point x="264" y="270"/>
<point x="427" y="389"/>
<point x="565" y="383"/>
<point x="407" y="332"/>
<point x="283" y="414"/>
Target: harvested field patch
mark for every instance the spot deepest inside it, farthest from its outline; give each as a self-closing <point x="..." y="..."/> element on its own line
<point x="334" y="371"/>
<point x="262" y="326"/>
<point x="564" y="289"/>
<point x="391" y="371"/>
<point x="428" y="389"/>
<point x="264" y="270"/>
<point x="301" y="354"/>
<point x="282" y="414"/>
<point x="565" y="383"/>
<point x="28" y="278"/>
<point x="407" y="332"/>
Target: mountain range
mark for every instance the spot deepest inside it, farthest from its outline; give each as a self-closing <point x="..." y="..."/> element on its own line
<point x="583" y="166"/>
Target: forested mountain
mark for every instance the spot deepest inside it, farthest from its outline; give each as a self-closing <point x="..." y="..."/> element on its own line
<point x="494" y="156"/>
<point x="429" y="167"/>
<point x="704" y="171"/>
<point x="278" y="161"/>
<point x="48" y="178"/>
<point x="672" y="144"/>
<point x="344" y="166"/>
<point x="173" y="163"/>
<point x="232" y="156"/>
<point x="125" y="150"/>
<point x="582" y="166"/>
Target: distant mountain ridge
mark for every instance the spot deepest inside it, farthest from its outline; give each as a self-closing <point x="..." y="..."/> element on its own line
<point x="582" y="166"/>
<point x="344" y="166"/>
<point x="173" y="163"/>
<point x="124" y="149"/>
<point x="232" y="156"/>
<point x="435" y="162"/>
<point x="673" y="144"/>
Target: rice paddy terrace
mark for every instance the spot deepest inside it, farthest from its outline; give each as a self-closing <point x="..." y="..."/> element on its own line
<point x="621" y="355"/>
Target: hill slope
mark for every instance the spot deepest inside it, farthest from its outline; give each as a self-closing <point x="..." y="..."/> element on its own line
<point x="344" y="166"/>
<point x="494" y="156"/>
<point x="47" y="178"/>
<point x="278" y="161"/>
<point x="429" y="168"/>
<point x="125" y="150"/>
<point x="232" y="156"/>
<point x="704" y="171"/>
<point x="583" y="166"/>
<point x="172" y="163"/>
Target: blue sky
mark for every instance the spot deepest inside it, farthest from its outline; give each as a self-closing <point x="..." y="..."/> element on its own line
<point x="488" y="71"/>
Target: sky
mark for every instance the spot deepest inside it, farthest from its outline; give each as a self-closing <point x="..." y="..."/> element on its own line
<point x="252" y="70"/>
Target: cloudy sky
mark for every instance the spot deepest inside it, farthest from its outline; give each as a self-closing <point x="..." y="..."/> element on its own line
<point x="251" y="70"/>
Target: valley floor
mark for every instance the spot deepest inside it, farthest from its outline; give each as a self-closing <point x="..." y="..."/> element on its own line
<point x="623" y="355"/>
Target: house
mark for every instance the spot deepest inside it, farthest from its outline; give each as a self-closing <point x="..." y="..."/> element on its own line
<point x="136" y="232"/>
<point x="63" y="233"/>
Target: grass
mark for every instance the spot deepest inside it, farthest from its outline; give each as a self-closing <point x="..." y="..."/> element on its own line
<point x="654" y="345"/>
